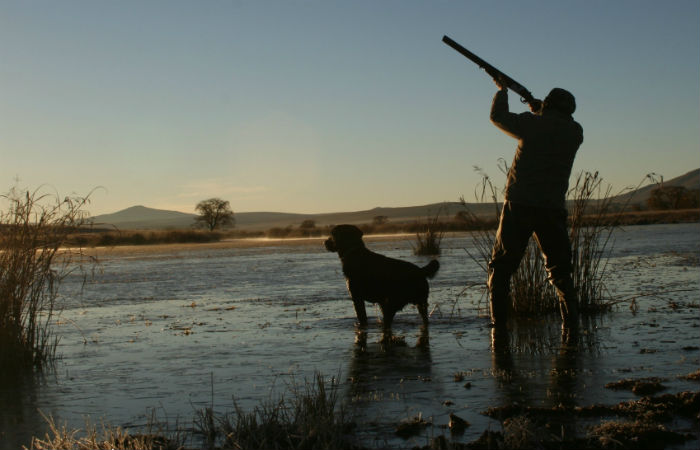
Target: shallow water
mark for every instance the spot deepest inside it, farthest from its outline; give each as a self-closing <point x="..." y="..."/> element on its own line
<point x="178" y="331"/>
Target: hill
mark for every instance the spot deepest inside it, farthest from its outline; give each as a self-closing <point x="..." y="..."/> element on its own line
<point x="690" y="180"/>
<point x="141" y="217"/>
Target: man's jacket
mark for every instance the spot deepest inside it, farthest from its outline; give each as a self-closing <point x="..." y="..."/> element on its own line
<point x="547" y="145"/>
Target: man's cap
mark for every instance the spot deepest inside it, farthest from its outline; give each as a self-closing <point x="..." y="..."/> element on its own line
<point x="561" y="100"/>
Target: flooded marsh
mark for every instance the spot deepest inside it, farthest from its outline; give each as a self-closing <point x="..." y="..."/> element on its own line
<point x="171" y="332"/>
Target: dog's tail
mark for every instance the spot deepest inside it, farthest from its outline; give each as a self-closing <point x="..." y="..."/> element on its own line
<point x="432" y="268"/>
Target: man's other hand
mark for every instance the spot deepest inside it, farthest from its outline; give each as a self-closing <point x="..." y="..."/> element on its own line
<point x="500" y="83"/>
<point x="536" y="106"/>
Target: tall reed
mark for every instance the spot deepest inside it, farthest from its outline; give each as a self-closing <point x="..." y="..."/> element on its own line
<point x="33" y="231"/>
<point x="593" y="217"/>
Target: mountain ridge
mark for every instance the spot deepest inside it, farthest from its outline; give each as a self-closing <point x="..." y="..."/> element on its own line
<point x="142" y="217"/>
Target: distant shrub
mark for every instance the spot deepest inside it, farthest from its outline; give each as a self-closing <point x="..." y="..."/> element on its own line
<point x="379" y="220"/>
<point x="278" y="232"/>
<point x="673" y="197"/>
<point x="114" y="238"/>
<point x="429" y="237"/>
<point x="308" y="224"/>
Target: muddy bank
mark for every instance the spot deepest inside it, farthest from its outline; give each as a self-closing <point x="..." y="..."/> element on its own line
<point x="647" y="423"/>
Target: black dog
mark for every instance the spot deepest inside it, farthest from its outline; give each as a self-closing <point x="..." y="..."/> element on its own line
<point x="375" y="278"/>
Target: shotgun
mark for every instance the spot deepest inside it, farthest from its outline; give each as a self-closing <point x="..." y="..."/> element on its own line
<point x="525" y="95"/>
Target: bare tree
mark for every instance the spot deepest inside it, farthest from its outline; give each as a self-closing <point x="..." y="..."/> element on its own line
<point x="214" y="213"/>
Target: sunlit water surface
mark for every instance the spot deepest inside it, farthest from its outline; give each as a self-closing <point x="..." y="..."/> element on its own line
<point x="175" y="332"/>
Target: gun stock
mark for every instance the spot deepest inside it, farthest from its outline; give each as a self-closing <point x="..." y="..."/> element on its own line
<point x="510" y="83"/>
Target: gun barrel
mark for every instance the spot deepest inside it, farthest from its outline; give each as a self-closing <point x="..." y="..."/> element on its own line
<point x="479" y="62"/>
<point x="495" y="73"/>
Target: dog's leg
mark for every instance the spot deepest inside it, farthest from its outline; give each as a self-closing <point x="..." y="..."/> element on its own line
<point x="423" y="338"/>
<point x="387" y="316"/>
<point x="423" y="311"/>
<point x="361" y="340"/>
<point x="360" y="311"/>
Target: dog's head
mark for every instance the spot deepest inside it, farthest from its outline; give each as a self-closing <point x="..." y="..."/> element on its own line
<point x="343" y="238"/>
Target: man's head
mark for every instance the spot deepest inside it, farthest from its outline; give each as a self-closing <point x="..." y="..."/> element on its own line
<point x="560" y="100"/>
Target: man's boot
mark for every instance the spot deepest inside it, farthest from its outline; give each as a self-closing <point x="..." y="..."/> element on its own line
<point x="499" y="296"/>
<point x="568" y="304"/>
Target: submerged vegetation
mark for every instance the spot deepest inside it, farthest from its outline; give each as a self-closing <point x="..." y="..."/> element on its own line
<point x="33" y="261"/>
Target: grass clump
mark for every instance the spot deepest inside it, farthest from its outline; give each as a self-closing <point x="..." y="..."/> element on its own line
<point x="429" y="237"/>
<point x="105" y="437"/>
<point x="634" y="435"/>
<point x="34" y="229"/>
<point x="310" y="418"/>
<point x="694" y="376"/>
<point x="640" y="386"/>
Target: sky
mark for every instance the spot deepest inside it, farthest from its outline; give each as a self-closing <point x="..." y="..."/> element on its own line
<point x="329" y="106"/>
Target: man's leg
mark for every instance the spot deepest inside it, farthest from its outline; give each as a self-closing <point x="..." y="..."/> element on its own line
<point x="553" y="238"/>
<point x="511" y="241"/>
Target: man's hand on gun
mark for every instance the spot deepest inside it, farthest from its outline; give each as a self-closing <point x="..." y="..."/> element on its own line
<point x="502" y="85"/>
<point x="502" y="80"/>
<point x="535" y="106"/>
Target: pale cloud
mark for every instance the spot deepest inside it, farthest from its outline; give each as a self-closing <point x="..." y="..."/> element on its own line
<point x="217" y="188"/>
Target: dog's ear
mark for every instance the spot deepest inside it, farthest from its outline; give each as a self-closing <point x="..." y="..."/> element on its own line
<point x="330" y="245"/>
<point x="359" y="233"/>
<point x="349" y="232"/>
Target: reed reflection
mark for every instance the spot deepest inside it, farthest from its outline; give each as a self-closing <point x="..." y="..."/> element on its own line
<point x="19" y="413"/>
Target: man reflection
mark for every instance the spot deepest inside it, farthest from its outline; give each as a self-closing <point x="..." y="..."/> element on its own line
<point x="520" y="389"/>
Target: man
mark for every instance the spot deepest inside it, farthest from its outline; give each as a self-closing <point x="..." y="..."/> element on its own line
<point x="535" y="197"/>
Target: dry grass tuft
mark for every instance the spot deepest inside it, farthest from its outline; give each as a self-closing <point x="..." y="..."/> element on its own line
<point x="309" y="418"/>
<point x="429" y="237"/>
<point x="104" y="438"/>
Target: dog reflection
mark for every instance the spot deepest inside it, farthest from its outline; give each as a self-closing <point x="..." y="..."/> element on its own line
<point x="380" y="367"/>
